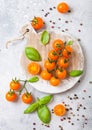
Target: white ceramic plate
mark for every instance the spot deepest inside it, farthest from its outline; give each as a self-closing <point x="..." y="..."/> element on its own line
<point x="77" y="63"/>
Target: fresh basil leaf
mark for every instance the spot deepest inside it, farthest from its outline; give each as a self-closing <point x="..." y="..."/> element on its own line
<point x="75" y="73"/>
<point x="33" y="79"/>
<point x="45" y="37"/>
<point x="32" y="54"/>
<point x="70" y="42"/>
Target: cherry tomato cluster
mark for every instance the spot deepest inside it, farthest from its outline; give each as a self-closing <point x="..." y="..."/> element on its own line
<point x="57" y="63"/>
<point x="16" y="87"/>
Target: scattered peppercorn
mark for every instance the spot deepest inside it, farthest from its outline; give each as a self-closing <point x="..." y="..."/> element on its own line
<point x="52" y="26"/>
<point x="53" y="22"/>
<point x="69" y="118"/>
<point x="70" y="108"/>
<point x="61" y="119"/>
<point x="83" y="115"/>
<point x="66" y="29"/>
<point x="86" y="123"/>
<point x="50" y="8"/>
<point x="78" y="81"/>
<point x="58" y="27"/>
<point x="64" y="118"/>
<point x="81" y="24"/>
<point x="84" y="90"/>
<point x="77" y="119"/>
<point x="77" y="109"/>
<point x="80" y="105"/>
<point x="72" y="123"/>
<point x="66" y="21"/>
<point x="75" y="95"/>
<point x="84" y="108"/>
<point x="79" y="39"/>
<point x="90" y="82"/>
<point x="79" y="30"/>
<point x="89" y="96"/>
<point x="42" y="9"/>
<point x="83" y="98"/>
<point x="54" y="7"/>
<point x="34" y="123"/>
<point x="59" y="19"/>
<point x="67" y="109"/>
<point x="70" y="98"/>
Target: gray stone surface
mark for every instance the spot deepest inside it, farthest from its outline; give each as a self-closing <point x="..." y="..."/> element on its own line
<point x="14" y="14"/>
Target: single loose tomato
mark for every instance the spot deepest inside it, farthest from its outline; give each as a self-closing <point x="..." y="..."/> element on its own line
<point x="11" y="96"/>
<point x="37" y="23"/>
<point x="63" y="62"/>
<point x="54" y="81"/>
<point x="58" y="44"/>
<point x="67" y="51"/>
<point x="63" y="7"/>
<point x="49" y="65"/>
<point x="61" y="73"/>
<point x="59" y="110"/>
<point x="46" y="75"/>
<point x="33" y="68"/>
<point x="15" y="84"/>
<point x="53" y="55"/>
<point x="27" y="98"/>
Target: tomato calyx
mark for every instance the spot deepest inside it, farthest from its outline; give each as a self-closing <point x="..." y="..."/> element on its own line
<point x="28" y="94"/>
<point x="66" y="60"/>
<point x="60" y="69"/>
<point x="35" y="21"/>
<point x="11" y="92"/>
<point x="58" y="45"/>
<point x="51" y="60"/>
<point x="69" y="53"/>
<point x="15" y="80"/>
<point x="54" y="53"/>
<point x="50" y="71"/>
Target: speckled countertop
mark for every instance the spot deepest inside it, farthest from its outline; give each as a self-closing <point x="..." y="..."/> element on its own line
<point x="78" y="22"/>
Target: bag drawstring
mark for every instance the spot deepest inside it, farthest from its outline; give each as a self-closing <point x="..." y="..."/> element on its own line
<point x="18" y="38"/>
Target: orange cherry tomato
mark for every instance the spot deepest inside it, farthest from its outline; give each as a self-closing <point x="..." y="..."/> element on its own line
<point x="49" y="65"/>
<point x="37" y="23"/>
<point x="67" y="51"/>
<point x="59" y="110"/>
<point x="63" y="7"/>
<point x="15" y="85"/>
<point x="63" y="62"/>
<point x="27" y="98"/>
<point x="54" y="81"/>
<point x="61" y="74"/>
<point x="53" y="55"/>
<point x="11" y="96"/>
<point x="33" y="68"/>
<point x="46" y="75"/>
<point x="58" y="44"/>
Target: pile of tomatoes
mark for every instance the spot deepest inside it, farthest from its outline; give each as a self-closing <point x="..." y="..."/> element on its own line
<point x="57" y="63"/>
<point x="55" y="67"/>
